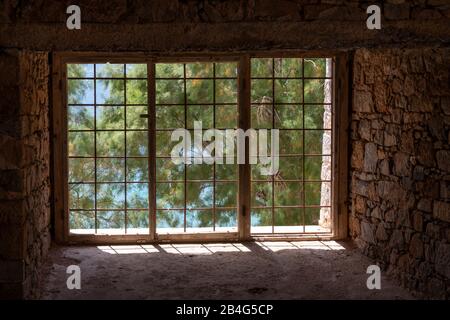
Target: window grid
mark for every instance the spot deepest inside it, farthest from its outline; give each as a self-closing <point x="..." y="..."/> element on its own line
<point x="303" y="203"/>
<point x="125" y="157"/>
<point x="185" y="181"/>
<point x="125" y="181"/>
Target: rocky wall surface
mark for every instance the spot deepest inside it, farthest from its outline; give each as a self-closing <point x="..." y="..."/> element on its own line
<point x="24" y="171"/>
<point x="221" y="25"/>
<point x="400" y="164"/>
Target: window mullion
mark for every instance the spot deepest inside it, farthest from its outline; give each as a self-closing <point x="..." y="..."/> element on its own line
<point x="151" y="101"/>
<point x="244" y="169"/>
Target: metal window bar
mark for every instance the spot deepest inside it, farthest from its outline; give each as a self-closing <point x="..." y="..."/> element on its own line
<point x="125" y="142"/>
<point x="95" y="149"/>
<point x="303" y="195"/>
<point x="185" y="126"/>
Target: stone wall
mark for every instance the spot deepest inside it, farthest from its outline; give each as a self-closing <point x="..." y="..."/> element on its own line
<point x="221" y="25"/>
<point x="24" y="171"/>
<point x="400" y="177"/>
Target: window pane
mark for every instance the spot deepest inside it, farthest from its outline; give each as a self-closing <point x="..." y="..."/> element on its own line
<point x="137" y="143"/>
<point x="136" y="70"/>
<point x="291" y="141"/>
<point x="261" y="194"/>
<point x="110" y="196"/>
<point x="289" y="116"/>
<point x="226" y="171"/>
<point x="200" y="95"/>
<point x="110" y="70"/>
<point x="314" y="91"/>
<point x="261" y="220"/>
<point x="110" y="170"/>
<point x="137" y="195"/>
<point x="226" y="69"/>
<point x="196" y="219"/>
<point x="199" y="195"/>
<point x="200" y="113"/>
<point x="164" y="144"/>
<point x="110" y="117"/>
<point x="137" y="91"/>
<point x="80" y="117"/>
<point x="288" y="91"/>
<point x="169" y="91"/>
<point x="166" y="170"/>
<point x="312" y="216"/>
<point x="288" y="67"/>
<point x="226" y="194"/>
<point x="199" y="91"/>
<point x="298" y="105"/>
<point x="288" y="216"/>
<point x="110" y="144"/>
<point x="80" y="70"/>
<point x="226" y="91"/>
<point x="288" y="193"/>
<point x="111" y="222"/>
<point x="261" y="67"/>
<point x="314" y="141"/>
<point x="226" y="219"/>
<point x="137" y="222"/>
<point x="137" y="170"/>
<point x="313" y="167"/>
<point x="256" y="172"/>
<point x="82" y="222"/>
<point x="207" y="198"/>
<point x="314" y="117"/>
<point x="315" y="68"/>
<point x="200" y="172"/>
<point x="288" y="220"/>
<point x="199" y="70"/>
<point x="262" y="116"/>
<point x="169" y="70"/>
<point x="312" y="193"/>
<point x="81" y="196"/>
<point x="226" y="116"/>
<point x="110" y="92"/>
<point x="169" y="219"/>
<point x="262" y="91"/>
<point x="81" y="144"/>
<point x="169" y="117"/>
<point x="134" y="119"/>
<point x="290" y="168"/>
<point x="169" y="195"/>
<point x="81" y="170"/>
<point x="80" y="91"/>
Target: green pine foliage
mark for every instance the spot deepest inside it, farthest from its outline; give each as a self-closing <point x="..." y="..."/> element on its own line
<point x="278" y="90"/>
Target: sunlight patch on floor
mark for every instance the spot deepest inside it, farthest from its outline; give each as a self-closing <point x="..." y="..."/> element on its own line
<point x="296" y="245"/>
<point x="208" y="249"/>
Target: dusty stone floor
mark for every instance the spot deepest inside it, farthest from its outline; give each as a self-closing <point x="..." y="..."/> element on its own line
<point x="268" y="270"/>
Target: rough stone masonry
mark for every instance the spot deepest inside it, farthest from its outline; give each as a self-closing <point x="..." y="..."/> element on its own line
<point x="400" y="177"/>
<point x="24" y="171"/>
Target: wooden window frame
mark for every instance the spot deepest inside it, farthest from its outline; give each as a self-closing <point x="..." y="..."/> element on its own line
<point x="340" y="132"/>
